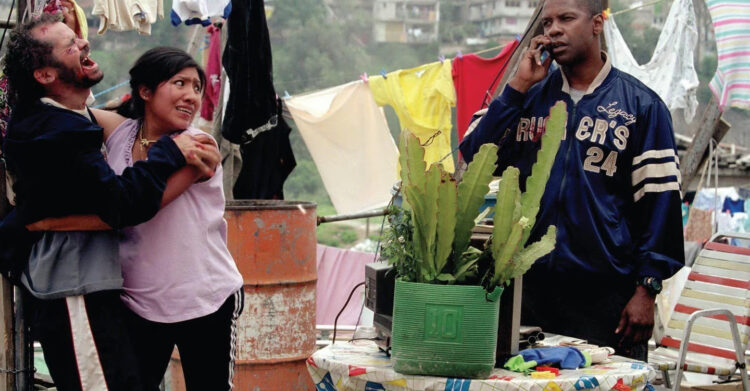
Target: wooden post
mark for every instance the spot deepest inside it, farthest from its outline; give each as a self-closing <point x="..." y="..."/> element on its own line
<point x="534" y="28"/>
<point x="7" y="380"/>
<point x="509" y="326"/>
<point x="509" y="323"/>
<point x="710" y="126"/>
<point x="7" y="357"/>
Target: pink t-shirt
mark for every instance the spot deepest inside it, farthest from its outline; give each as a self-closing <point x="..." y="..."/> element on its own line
<point x="175" y="266"/>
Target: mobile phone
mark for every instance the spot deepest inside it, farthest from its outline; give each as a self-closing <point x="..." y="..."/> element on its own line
<point x="546" y="52"/>
<point x="544" y="55"/>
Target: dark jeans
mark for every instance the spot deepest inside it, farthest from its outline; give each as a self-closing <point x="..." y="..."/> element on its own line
<point x="582" y="307"/>
<point x="206" y="346"/>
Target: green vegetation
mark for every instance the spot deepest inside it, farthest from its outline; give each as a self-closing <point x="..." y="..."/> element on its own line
<point x="336" y="235"/>
<point x="428" y="241"/>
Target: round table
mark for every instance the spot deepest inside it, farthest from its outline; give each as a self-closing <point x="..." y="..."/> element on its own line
<point x="360" y="366"/>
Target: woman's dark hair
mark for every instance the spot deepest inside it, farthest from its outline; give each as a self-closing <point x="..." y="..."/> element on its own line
<point x="151" y="69"/>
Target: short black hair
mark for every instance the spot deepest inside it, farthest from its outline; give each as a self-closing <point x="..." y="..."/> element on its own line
<point x="24" y="55"/>
<point x="151" y="69"/>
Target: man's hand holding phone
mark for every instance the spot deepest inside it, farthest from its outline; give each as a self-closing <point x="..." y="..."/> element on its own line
<point x="534" y="64"/>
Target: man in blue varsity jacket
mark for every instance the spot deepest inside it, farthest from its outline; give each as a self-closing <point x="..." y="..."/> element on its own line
<point x="614" y="192"/>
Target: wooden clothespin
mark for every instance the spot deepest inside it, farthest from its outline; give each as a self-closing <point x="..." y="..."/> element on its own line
<point x="364" y="77"/>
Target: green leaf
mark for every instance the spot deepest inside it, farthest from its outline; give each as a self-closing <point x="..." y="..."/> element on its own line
<point x="420" y="249"/>
<point x="526" y="257"/>
<point x="446" y="219"/>
<point x="422" y="201"/>
<point x="545" y="158"/>
<point x="411" y="159"/>
<point x="508" y="194"/>
<point x="429" y="216"/>
<point x="503" y="256"/>
<point x="467" y="266"/>
<point x="445" y="277"/>
<point x="471" y="192"/>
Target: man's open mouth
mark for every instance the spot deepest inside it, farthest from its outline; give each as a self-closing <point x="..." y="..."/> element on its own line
<point x="87" y="63"/>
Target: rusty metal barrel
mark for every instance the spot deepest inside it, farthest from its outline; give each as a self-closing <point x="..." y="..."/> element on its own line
<point x="274" y="246"/>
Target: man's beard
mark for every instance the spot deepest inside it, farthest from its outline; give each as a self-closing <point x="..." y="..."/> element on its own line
<point x="69" y="76"/>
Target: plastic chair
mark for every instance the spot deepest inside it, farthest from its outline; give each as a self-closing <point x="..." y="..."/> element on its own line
<point x="709" y="329"/>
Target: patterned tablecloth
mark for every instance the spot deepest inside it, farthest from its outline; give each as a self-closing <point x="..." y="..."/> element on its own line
<point x="360" y="366"/>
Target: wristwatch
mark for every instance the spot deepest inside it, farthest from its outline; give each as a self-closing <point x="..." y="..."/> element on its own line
<point x="652" y="285"/>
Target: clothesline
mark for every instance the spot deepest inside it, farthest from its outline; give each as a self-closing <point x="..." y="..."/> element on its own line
<point x="635" y="8"/>
<point x="111" y="88"/>
<point x="491" y="49"/>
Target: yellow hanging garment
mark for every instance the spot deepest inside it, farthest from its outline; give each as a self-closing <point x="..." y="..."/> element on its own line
<point x="82" y="23"/>
<point x="422" y="98"/>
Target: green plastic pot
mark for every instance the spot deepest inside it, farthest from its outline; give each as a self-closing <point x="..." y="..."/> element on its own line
<point x="444" y="330"/>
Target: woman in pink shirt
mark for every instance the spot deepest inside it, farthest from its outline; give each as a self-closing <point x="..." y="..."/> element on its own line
<point x="180" y="282"/>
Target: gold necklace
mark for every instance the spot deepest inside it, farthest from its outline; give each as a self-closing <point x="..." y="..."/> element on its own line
<point x="145" y="143"/>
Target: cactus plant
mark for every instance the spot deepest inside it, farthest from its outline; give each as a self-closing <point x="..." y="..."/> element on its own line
<point x="515" y="213"/>
<point x="443" y="213"/>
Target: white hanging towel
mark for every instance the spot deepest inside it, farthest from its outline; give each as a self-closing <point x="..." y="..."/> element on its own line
<point x="348" y="138"/>
<point x="671" y="70"/>
<point x="200" y="9"/>
<point x="126" y="15"/>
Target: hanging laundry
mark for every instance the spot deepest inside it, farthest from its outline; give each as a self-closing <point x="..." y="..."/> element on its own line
<point x="82" y="28"/>
<point x="252" y="113"/>
<point x="198" y="11"/>
<point x="266" y="163"/>
<point x="422" y="98"/>
<point x="251" y="107"/>
<point x="476" y="79"/>
<point x="348" y="138"/>
<point x="671" y="70"/>
<point x="713" y="198"/>
<point x="731" y="84"/>
<point x="733" y="205"/>
<point x="339" y="271"/>
<point x="125" y="15"/>
<point x="213" y="74"/>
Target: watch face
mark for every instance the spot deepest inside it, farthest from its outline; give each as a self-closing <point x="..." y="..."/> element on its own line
<point x="653" y="284"/>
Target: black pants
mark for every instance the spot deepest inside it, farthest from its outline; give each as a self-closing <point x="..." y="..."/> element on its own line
<point x="206" y="345"/>
<point x="582" y="307"/>
<point x="85" y="342"/>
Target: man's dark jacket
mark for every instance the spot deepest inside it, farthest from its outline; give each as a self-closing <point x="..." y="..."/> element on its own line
<point x="56" y="158"/>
